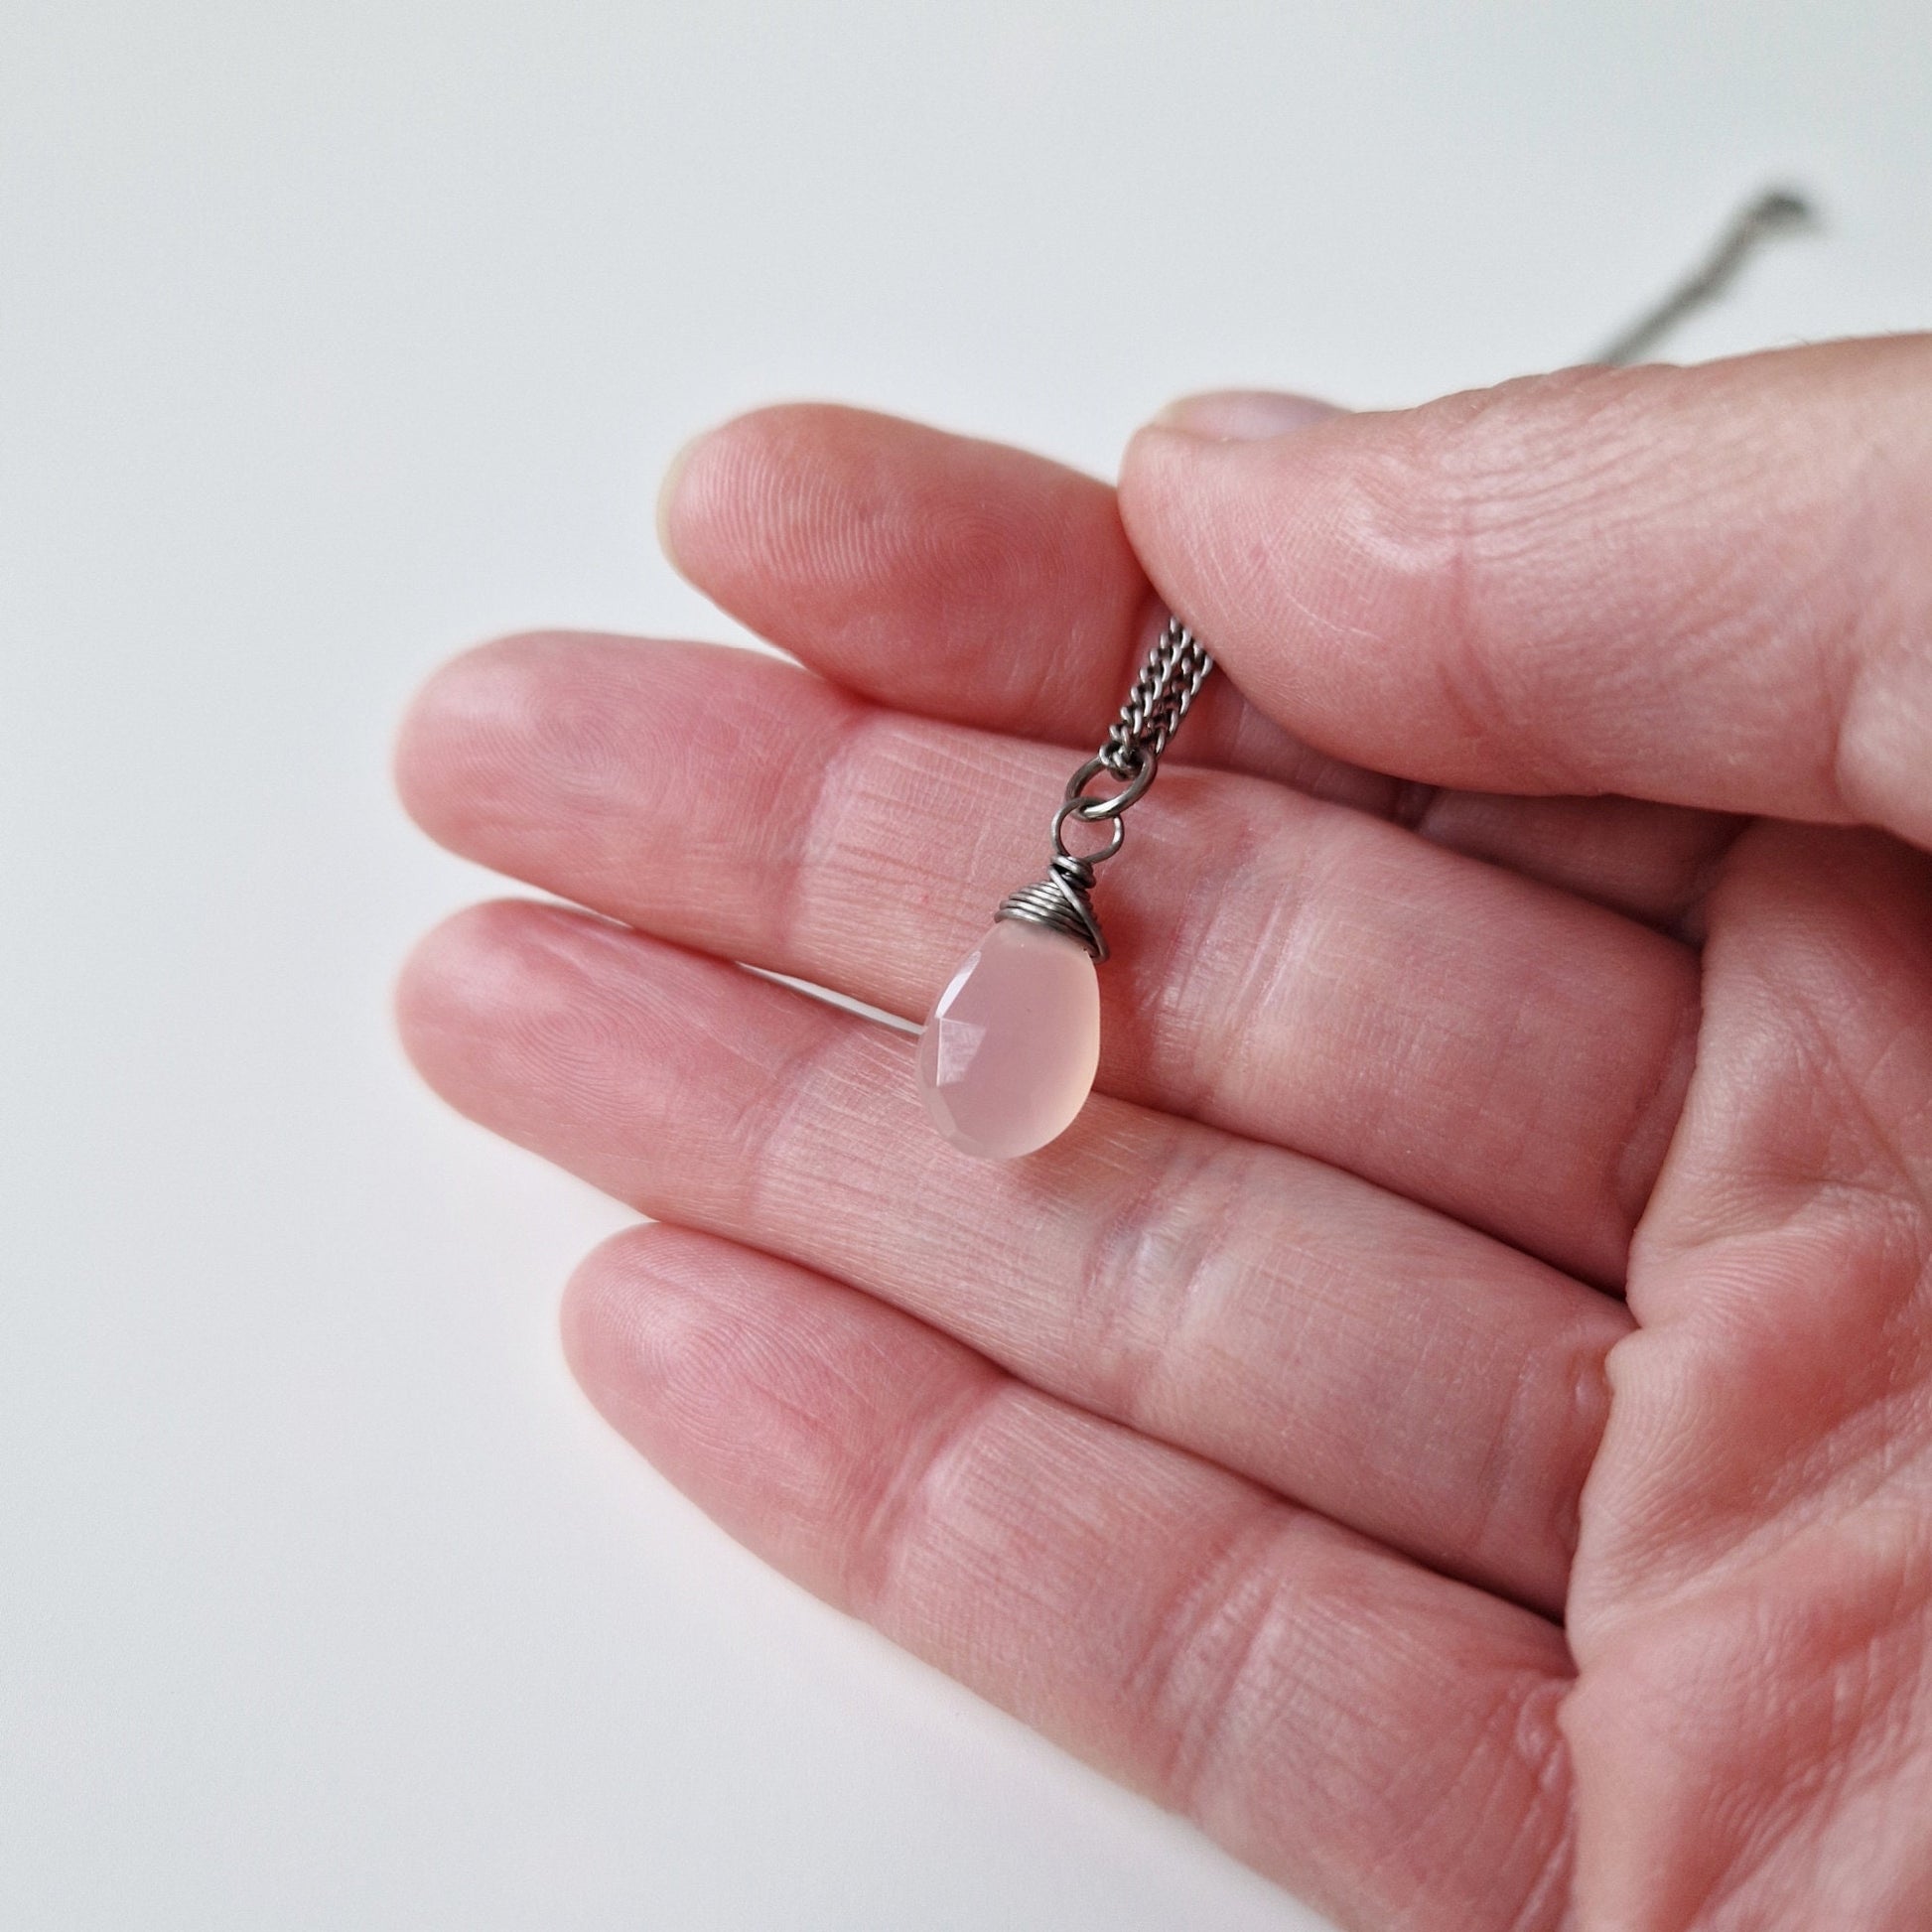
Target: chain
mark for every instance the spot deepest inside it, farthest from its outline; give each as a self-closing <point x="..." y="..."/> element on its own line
<point x="1174" y="671"/>
<point x="1169" y="681"/>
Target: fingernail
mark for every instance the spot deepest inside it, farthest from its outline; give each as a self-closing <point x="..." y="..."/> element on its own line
<point x="1243" y="415"/>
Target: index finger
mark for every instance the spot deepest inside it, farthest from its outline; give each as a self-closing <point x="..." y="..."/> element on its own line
<point x="1708" y="587"/>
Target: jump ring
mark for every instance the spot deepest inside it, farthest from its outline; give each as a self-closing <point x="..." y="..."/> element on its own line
<point x="1071" y="809"/>
<point x="1091" y="809"/>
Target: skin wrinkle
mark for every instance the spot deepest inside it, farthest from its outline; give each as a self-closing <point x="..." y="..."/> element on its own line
<point x="1837" y="671"/>
<point x="776" y="513"/>
<point x="1840" y="1761"/>
<point x="705" y="1355"/>
<point x="1526" y="1040"/>
<point x="1589" y="1398"/>
<point x="843" y="788"/>
<point x="1666" y="508"/>
<point x="1496" y="1487"/>
<point x="758" y="1162"/>
<point x="1420" y="1380"/>
<point x="1894" y="1423"/>
<point x="1562" y="1377"/>
<point x="836" y="753"/>
<point x="1829" y="1481"/>
<point x="1795" y="1023"/>
<point x="967" y="842"/>
<point x="1885" y="660"/>
<point x="1526" y="1137"/>
<point x="1523" y="1701"/>
<point x="746" y="1134"/>
<point x="1900" y="1043"/>
<point x="899" y="1516"/>
<point x="1324" y="864"/>
<point x="1119" y="645"/>
<point x="1852" y="1092"/>
<point x="1516" y="1729"/>
<point x="1882" y="625"/>
<point x="1717" y="1823"/>
<point x="849" y="788"/>
<point x="790" y="1156"/>
<point x="803" y="1169"/>
<point x="1904" y="1740"/>
<point x="576" y="1028"/>
<point x="1468" y="686"/>
<point x="1820" y="1023"/>
<point x="1180" y="950"/>
<point x="1210" y="1631"/>
<point x="1591" y="488"/>
<point x="957" y="1519"/>
<point x="1547" y="1903"/>
<point x="1137" y="1314"/>
<point x="1259" y="965"/>
<point x="1760" y="1840"/>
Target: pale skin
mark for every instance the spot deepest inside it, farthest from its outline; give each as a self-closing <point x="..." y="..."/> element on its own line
<point x="1454" y="1417"/>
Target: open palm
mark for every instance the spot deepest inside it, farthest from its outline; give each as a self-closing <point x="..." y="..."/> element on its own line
<point x="1452" y="1416"/>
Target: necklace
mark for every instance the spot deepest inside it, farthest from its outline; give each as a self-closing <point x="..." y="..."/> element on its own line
<point x="1008" y="1053"/>
<point x="1010" y="1050"/>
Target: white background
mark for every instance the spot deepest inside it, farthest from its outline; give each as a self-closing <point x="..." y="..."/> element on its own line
<point x="335" y="336"/>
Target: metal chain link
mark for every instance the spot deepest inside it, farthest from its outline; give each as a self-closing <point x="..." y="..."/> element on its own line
<point x="1169" y="681"/>
<point x="1174" y="671"/>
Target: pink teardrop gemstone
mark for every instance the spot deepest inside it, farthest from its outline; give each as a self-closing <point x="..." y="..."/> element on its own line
<point x="1009" y="1056"/>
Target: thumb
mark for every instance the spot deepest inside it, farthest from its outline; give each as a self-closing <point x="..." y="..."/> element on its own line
<point x="1709" y="586"/>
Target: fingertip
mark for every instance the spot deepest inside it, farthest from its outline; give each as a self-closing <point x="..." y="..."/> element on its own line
<point x="765" y="1392"/>
<point x="489" y="995"/>
<point x="411" y="754"/>
<point x="450" y="980"/>
<point x="1198" y="443"/>
<point x="459" y="725"/>
<point x="670" y="493"/>
<point x="617" y="1297"/>
<point x="744" y="497"/>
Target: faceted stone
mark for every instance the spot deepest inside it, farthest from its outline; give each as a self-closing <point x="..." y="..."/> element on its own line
<point x="1009" y="1054"/>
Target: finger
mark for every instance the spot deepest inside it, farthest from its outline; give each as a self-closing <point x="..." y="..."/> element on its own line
<point x="1385" y="1365"/>
<point x="1288" y="969"/>
<point x="992" y="588"/>
<point x="1653" y="862"/>
<point x="1376" y="1738"/>
<point x="965" y="581"/>
<point x="1704" y="586"/>
<point x="950" y="577"/>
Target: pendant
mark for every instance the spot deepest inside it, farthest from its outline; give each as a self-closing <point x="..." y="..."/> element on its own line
<point x="1009" y="1052"/>
<point x="1009" y="1056"/>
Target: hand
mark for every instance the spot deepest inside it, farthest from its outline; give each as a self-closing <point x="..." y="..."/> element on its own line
<point x="1279" y="1438"/>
